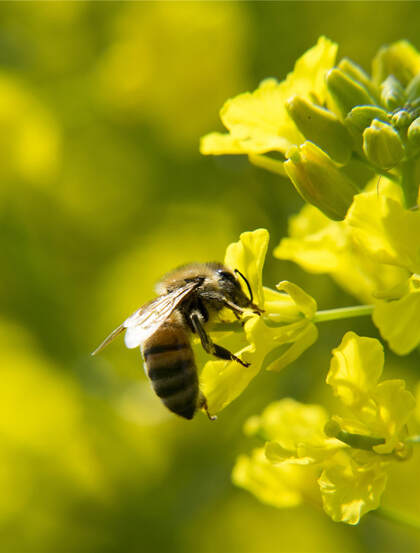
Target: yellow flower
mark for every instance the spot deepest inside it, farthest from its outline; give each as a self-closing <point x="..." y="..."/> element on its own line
<point x="270" y="341"/>
<point x="351" y="486"/>
<point x="390" y="234"/>
<point x="347" y="457"/>
<point x="258" y="122"/>
<point x="320" y="245"/>
<point x="281" y="486"/>
<point x="378" y="410"/>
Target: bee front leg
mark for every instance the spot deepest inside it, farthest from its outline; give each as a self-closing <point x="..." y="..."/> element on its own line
<point x="209" y="346"/>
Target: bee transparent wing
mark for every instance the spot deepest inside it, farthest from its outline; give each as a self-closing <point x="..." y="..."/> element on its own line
<point x="108" y="339"/>
<point x="144" y="322"/>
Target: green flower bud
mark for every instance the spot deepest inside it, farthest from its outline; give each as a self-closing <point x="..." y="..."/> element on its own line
<point x="399" y="59"/>
<point x="332" y="429"/>
<point x="319" y="181"/>
<point x="356" y="73"/>
<point x="413" y="133"/>
<point x="402" y="118"/>
<point x="413" y="89"/>
<point x="346" y="92"/>
<point x="321" y="127"/>
<point x="382" y="145"/>
<point x="360" y="118"/>
<point x="392" y="93"/>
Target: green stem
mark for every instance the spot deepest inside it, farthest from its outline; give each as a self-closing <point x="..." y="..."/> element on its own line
<point x="382" y="172"/>
<point x="265" y="162"/>
<point x="408" y="183"/>
<point x="319" y="317"/>
<point x="399" y="518"/>
<point x="413" y="439"/>
<point x="343" y="313"/>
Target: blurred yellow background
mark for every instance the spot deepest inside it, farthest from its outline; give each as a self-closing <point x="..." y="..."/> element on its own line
<point x="102" y="190"/>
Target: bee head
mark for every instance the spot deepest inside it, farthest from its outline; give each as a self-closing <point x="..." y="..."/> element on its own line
<point x="232" y="287"/>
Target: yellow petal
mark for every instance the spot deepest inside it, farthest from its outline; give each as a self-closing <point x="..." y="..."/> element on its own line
<point x="304" y="302"/>
<point x="398" y="322"/>
<point x="290" y="422"/>
<point x="355" y="368"/>
<point x="349" y="489"/>
<point x="385" y="230"/>
<point x="320" y="245"/>
<point x="217" y="143"/>
<point x="306" y="338"/>
<point x="248" y="256"/>
<point x="394" y="407"/>
<point x="223" y="381"/>
<point x="279" y="486"/>
<point x="258" y="122"/>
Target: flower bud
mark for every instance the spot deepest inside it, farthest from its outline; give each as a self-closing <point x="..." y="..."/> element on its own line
<point x="332" y="429"/>
<point x="360" y="118"/>
<point x="319" y="181"/>
<point x="413" y="89"/>
<point x="413" y="133"/>
<point x="346" y="92"/>
<point x="356" y="73"/>
<point x="321" y="127"/>
<point x="400" y="59"/>
<point x="392" y="93"/>
<point x="402" y="118"/>
<point x="382" y="145"/>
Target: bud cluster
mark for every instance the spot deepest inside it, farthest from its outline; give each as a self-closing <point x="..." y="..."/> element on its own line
<point x="375" y="121"/>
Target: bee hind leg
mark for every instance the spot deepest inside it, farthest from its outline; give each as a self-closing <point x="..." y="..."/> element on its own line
<point x="202" y="404"/>
<point x="209" y="346"/>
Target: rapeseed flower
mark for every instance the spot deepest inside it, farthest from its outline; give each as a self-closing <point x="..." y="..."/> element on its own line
<point x="347" y="456"/>
<point x="270" y="341"/>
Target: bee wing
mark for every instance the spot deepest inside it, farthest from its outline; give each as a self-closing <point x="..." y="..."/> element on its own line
<point x="146" y="320"/>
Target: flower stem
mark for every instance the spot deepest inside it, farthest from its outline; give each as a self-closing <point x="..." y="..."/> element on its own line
<point x="408" y="182"/>
<point x="413" y="439"/>
<point x="399" y="518"/>
<point x="342" y="313"/>
<point x="265" y="162"/>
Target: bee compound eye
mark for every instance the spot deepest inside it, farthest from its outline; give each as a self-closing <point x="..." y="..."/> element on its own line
<point x="227" y="276"/>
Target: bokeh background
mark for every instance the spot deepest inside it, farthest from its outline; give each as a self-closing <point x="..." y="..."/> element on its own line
<point x="102" y="190"/>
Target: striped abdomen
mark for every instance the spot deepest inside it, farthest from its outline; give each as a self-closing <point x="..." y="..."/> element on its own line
<point x="171" y="368"/>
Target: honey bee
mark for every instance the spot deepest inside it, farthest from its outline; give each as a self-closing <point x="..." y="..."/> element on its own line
<point x="188" y="298"/>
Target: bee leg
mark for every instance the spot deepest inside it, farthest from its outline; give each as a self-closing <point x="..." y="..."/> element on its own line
<point x="209" y="346"/>
<point x="202" y="404"/>
<point x="237" y="311"/>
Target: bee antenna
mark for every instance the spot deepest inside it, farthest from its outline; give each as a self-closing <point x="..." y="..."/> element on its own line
<point x="247" y="283"/>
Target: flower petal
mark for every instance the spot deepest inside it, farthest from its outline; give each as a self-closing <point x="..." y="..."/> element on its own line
<point x="290" y="422"/>
<point x="394" y="407"/>
<point x="306" y="338"/>
<point x="223" y="381"/>
<point x="385" y="230"/>
<point x="279" y="486"/>
<point x="258" y="122"/>
<point x="248" y="256"/>
<point x="349" y="489"/>
<point x="398" y="322"/>
<point x="355" y="368"/>
<point x="304" y="302"/>
<point x="320" y="245"/>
